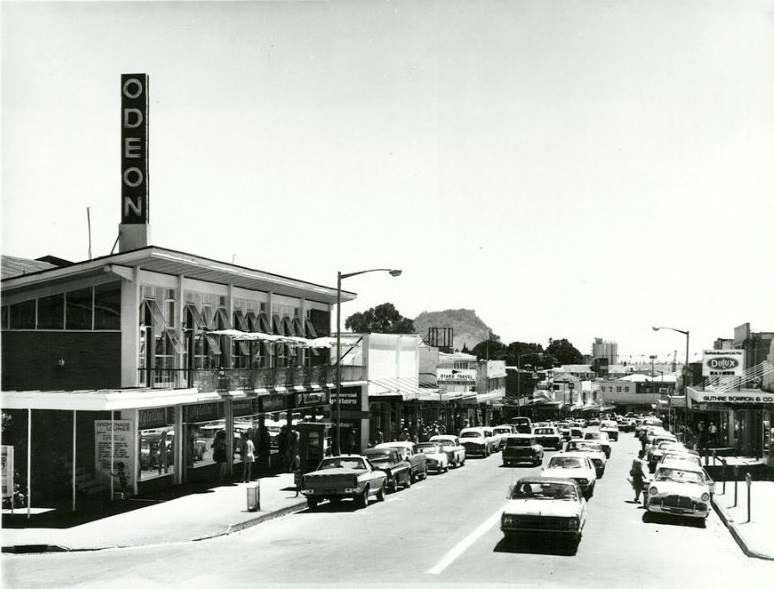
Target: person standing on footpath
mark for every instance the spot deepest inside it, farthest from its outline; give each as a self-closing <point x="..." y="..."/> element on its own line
<point x="283" y="445"/>
<point x="219" y="454"/>
<point x="264" y="448"/>
<point x="248" y="457"/>
<point x="637" y="472"/>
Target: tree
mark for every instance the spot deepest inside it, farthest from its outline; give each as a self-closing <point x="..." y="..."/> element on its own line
<point x="491" y="349"/>
<point x="383" y="318"/>
<point x="523" y="354"/>
<point x="564" y="352"/>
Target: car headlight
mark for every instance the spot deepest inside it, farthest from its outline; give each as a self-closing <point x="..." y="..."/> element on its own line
<point x="705" y="496"/>
<point x="573" y="523"/>
<point x="507" y="520"/>
<point x="583" y="481"/>
<point x="653" y="491"/>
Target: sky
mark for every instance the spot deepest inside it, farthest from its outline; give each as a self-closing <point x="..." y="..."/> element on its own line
<point x="567" y="169"/>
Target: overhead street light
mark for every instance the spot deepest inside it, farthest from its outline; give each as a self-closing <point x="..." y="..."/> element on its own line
<point x="686" y="367"/>
<point x="339" y="278"/>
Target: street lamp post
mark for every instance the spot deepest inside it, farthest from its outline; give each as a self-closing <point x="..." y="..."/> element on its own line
<point x="686" y="367"/>
<point x="339" y="278"/>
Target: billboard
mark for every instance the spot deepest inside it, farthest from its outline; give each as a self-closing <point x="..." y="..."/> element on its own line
<point x="115" y="451"/>
<point x="722" y="363"/>
<point x="134" y="148"/>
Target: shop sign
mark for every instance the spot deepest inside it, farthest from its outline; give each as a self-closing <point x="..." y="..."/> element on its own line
<point x="134" y="148"/>
<point x="7" y="465"/>
<point x="243" y="407"/>
<point x="311" y="399"/>
<point x="271" y="403"/>
<point x="349" y="397"/>
<point x="119" y="436"/>
<point x="202" y="412"/>
<point x="154" y="418"/>
<point x="722" y="363"/>
<point x="753" y="397"/>
<point x="467" y="374"/>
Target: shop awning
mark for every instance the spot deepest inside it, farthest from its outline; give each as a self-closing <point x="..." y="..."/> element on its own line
<point x="408" y="389"/>
<point x="98" y="400"/>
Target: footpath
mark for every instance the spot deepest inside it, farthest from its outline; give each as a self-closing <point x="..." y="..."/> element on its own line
<point x="198" y="514"/>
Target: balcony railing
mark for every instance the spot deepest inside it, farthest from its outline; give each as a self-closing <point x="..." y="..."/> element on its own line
<point x="247" y="379"/>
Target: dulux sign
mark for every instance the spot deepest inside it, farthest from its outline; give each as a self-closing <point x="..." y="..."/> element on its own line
<point x="723" y="363"/>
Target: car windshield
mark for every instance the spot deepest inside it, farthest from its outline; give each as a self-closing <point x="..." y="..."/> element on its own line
<point x="342" y="462"/>
<point x="518" y="442"/>
<point x="471" y="435"/>
<point x="679" y="476"/>
<point x="380" y="456"/>
<point x="566" y="462"/>
<point x="538" y="490"/>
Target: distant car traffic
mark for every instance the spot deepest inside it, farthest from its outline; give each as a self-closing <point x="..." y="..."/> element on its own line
<point x="389" y="460"/>
<point x="594" y="450"/>
<point x="602" y="439"/>
<point x="610" y="427"/>
<point x="548" y="437"/>
<point x="410" y="453"/>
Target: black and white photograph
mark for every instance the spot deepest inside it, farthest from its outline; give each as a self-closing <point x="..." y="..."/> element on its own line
<point x="387" y="293"/>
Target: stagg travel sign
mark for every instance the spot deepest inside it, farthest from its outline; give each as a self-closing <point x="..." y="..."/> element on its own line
<point x="722" y="363"/>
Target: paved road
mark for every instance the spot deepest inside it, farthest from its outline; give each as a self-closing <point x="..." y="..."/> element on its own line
<point x="441" y="532"/>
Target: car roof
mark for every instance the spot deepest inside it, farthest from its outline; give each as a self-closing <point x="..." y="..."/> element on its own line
<point x="572" y="454"/>
<point x="681" y="464"/>
<point x="395" y="445"/>
<point x="541" y="480"/>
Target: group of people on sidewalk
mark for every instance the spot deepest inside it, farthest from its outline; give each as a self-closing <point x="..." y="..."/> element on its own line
<point x="257" y="451"/>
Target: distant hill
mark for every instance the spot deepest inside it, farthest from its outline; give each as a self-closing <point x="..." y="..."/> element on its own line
<point x="468" y="328"/>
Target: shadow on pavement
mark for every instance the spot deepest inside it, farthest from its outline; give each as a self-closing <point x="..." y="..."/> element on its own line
<point x="538" y="545"/>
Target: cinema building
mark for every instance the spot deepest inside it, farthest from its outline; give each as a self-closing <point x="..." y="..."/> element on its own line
<point x="133" y="361"/>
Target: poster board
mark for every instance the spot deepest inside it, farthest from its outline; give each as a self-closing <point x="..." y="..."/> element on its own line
<point x="119" y="435"/>
<point x="7" y="471"/>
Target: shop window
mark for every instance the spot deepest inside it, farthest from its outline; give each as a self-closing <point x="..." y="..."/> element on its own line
<point x="107" y="306"/>
<point x="79" y="305"/>
<point x="51" y="312"/>
<point x="23" y="315"/>
<point x="157" y="452"/>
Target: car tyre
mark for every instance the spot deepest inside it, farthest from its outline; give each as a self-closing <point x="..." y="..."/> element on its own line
<point x="362" y="499"/>
<point x="408" y="482"/>
<point x="311" y="503"/>
<point x="380" y="494"/>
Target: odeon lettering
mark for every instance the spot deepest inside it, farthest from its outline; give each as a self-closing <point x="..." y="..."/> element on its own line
<point x="134" y="148"/>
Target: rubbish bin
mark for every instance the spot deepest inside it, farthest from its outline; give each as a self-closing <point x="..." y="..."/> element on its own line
<point x="254" y="497"/>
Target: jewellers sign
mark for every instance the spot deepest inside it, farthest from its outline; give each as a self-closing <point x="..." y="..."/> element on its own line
<point x="722" y="363"/>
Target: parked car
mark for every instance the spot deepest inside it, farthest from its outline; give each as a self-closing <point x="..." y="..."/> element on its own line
<point x="342" y="477"/>
<point x="476" y="442"/>
<point x="679" y="488"/>
<point x="437" y="459"/>
<point x="610" y="427"/>
<point x="544" y="506"/>
<point x="656" y="451"/>
<point x="409" y="452"/>
<point x="389" y="460"/>
<point x="490" y="433"/>
<point x="548" y="437"/>
<point x="454" y="450"/>
<point x="522" y="448"/>
<point x="602" y="439"/>
<point x="593" y="449"/>
<point x="573" y="465"/>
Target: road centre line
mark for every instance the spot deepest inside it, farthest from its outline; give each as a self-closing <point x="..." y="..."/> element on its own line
<point x="465" y="543"/>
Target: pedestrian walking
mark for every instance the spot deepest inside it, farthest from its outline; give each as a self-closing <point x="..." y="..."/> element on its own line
<point x="248" y="457"/>
<point x="264" y="448"/>
<point x="712" y="432"/>
<point x="637" y="473"/>
<point x="219" y="454"/>
<point x="283" y="445"/>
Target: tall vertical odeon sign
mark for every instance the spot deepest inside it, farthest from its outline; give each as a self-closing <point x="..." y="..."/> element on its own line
<point x="134" y="148"/>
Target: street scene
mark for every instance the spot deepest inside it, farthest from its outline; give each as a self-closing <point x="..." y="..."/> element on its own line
<point x="387" y="293"/>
